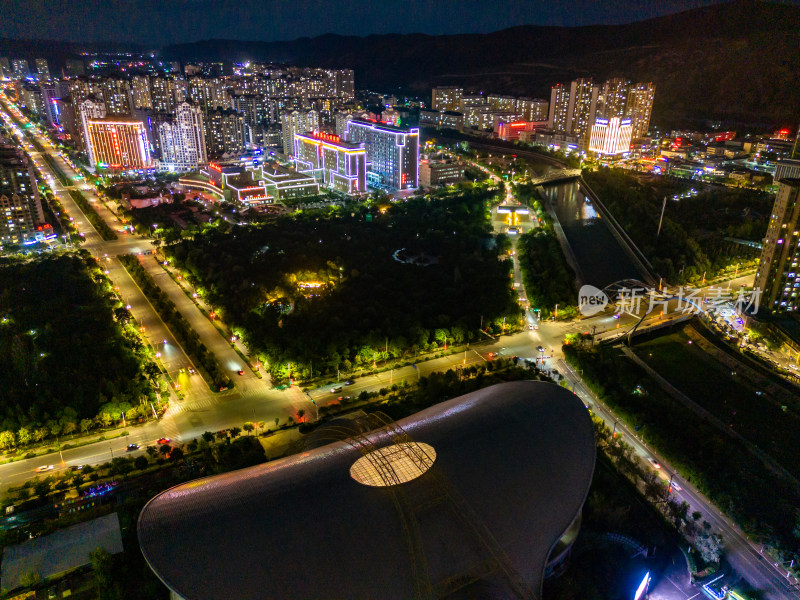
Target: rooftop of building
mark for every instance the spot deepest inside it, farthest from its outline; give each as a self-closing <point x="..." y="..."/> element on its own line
<point x="333" y="140"/>
<point x="385" y="126"/>
<point x="499" y="473"/>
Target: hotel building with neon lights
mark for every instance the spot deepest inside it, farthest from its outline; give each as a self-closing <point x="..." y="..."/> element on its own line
<point x="611" y="136"/>
<point x="117" y="143"/>
<point x="392" y="153"/>
<point x="341" y="166"/>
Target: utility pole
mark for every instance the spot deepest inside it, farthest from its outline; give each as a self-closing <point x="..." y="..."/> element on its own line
<point x="661" y="220"/>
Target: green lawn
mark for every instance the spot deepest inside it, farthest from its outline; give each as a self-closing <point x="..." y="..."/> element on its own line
<point x="734" y="400"/>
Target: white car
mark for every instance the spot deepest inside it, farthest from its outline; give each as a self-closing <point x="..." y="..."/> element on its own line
<point x="44" y="468"/>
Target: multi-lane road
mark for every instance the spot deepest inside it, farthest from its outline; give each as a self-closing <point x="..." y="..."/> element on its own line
<point x="255" y="399"/>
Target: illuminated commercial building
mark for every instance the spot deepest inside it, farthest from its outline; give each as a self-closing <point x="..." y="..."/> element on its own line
<point x="286" y="184"/>
<point x="183" y="145"/>
<point x="446" y="98"/>
<point x="392" y="153"/>
<point x="778" y="274"/>
<point x="341" y="166"/>
<point x="90" y="108"/>
<point x="640" y="107"/>
<point x="611" y="136"/>
<point x="117" y="143"/>
<point x="435" y="505"/>
<point x="514" y="130"/>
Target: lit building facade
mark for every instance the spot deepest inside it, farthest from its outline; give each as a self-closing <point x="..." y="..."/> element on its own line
<point x="573" y="109"/>
<point x="297" y="121"/>
<point x="20" y="68"/>
<point x="116" y="95"/>
<point x="392" y="153"/>
<point x="611" y="136"/>
<point x="341" y="166"/>
<point x="613" y="98"/>
<point x="224" y="132"/>
<point x="778" y="274"/>
<point x="42" y="69"/>
<point x="446" y="98"/>
<point x="183" y="145"/>
<point x="439" y="172"/>
<point x="118" y="144"/>
<point x="21" y="215"/>
<point x="640" y="107"/>
<point x="140" y="92"/>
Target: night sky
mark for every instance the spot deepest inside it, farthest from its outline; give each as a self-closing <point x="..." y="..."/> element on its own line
<point x="155" y="23"/>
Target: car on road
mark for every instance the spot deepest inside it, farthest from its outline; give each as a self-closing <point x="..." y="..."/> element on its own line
<point x="76" y="467"/>
<point x="162" y="441"/>
<point x="655" y="464"/>
<point x="676" y="487"/>
<point x="132" y="447"/>
<point x="349" y="382"/>
<point x="540" y="348"/>
<point x="191" y="371"/>
<point x="336" y="388"/>
<point x="491" y="355"/>
<point x="240" y="371"/>
<point x="44" y="468"/>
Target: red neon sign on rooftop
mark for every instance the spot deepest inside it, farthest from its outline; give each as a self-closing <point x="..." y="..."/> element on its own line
<point x="326" y="137"/>
<point x="215" y="167"/>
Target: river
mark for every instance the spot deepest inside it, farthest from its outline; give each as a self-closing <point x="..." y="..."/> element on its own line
<point x="597" y="252"/>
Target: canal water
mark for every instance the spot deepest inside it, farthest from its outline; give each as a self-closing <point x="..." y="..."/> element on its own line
<point x="599" y="255"/>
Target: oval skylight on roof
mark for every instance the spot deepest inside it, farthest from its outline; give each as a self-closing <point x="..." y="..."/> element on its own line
<point x="393" y="465"/>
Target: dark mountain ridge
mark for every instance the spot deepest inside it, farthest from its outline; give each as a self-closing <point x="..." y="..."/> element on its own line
<point x="735" y="62"/>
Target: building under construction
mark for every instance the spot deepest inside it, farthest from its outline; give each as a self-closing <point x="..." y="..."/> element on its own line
<point x="476" y="497"/>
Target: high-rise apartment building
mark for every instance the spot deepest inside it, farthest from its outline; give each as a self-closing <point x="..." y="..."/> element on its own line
<point x="341" y="166"/>
<point x="344" y="84"/>
<point x="297" y="121"/>
<point x="5" y="68"/>
<point x="778" y="275"/>
<point x="117" y="95"/>
<point x="20" y="68"/>
<point x="392" y="153"/>
<point x="223" y="131"/>
<point x="182" y="143"/>
<point x="613" y="98"/>
<point x="21" y="215"/>
<point x="573" y="109"/>
<point x="208" y="92"/>
<point x="42" y="69"/>
<point x="82" y="88"/>
<point x="163" y="94"/>
<point x="640" y="107"/>
<point x="446" y="98"/>
<point x="90" y="108"/>
<point x="611" y="136"/>
<point x="140" y="92"/>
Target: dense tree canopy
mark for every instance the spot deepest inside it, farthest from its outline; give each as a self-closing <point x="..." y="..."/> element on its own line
<point x="343" y="287"/>
<point x="63" y="353"/>
<point x="692" y="235"/>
